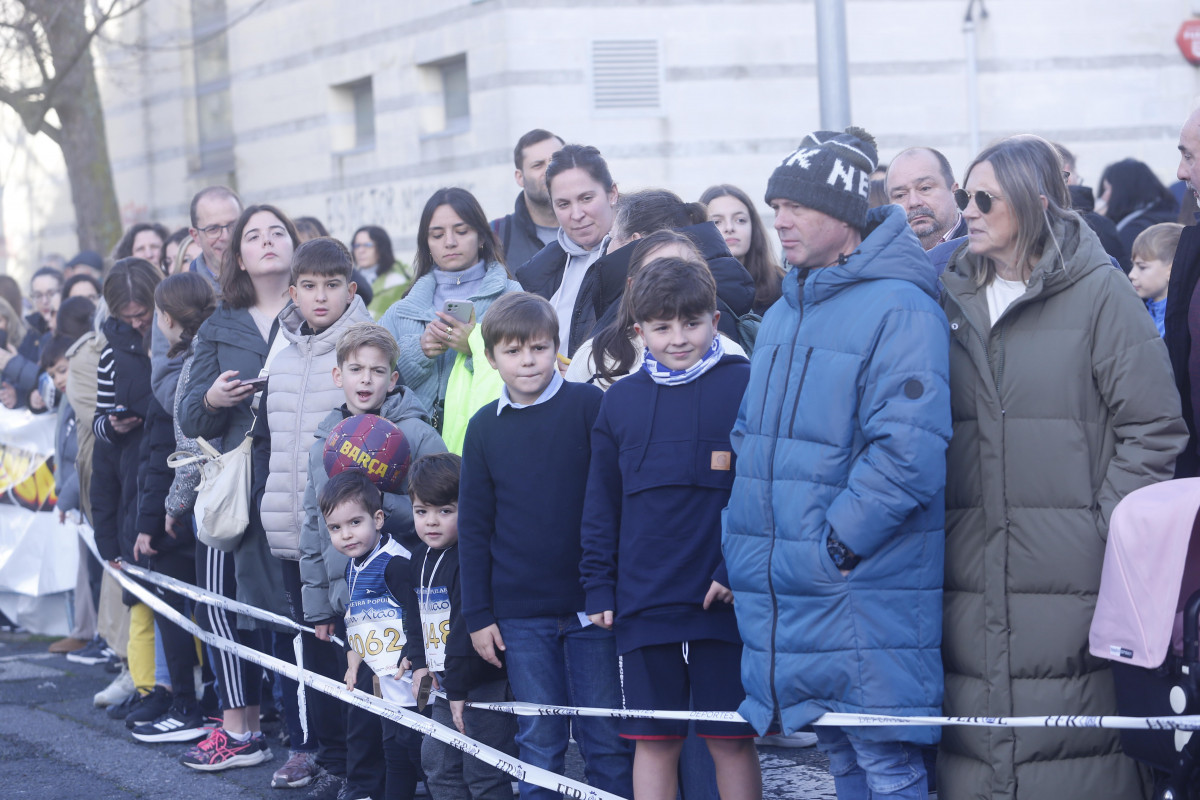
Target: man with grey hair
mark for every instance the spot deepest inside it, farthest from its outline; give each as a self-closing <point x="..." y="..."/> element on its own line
<point x="214" y="211"/>
<point x="920" y="181"/>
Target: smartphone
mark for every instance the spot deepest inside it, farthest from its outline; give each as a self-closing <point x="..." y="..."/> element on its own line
<point x="258" y="383"/>
<point x="424" y="688"/>
<point x="121" y="412"/>
<point x="3" y="338"/>
<point x="461" y="310"/>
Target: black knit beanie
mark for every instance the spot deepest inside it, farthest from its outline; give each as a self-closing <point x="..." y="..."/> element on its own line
<point x="830" y="172"/>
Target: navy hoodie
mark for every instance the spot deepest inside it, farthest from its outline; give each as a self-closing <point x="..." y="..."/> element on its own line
<point x="661" y="472"/>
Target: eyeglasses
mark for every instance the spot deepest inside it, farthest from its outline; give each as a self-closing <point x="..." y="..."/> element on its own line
<point x="983" y="200"/>
<point x="363" y="245"/>
<point x="215" y="231"/>
<point x="38" y="297"/>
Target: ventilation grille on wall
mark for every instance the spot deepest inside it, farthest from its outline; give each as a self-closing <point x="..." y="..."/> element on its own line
<point x="625" y="74"/>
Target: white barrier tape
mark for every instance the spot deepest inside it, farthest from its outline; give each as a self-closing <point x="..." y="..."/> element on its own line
<point x="218" y="600"/>
<point x="539" y="710"/>
<point x="197" y="594"/>
<point x="301" y="700"/>
<point x="506" y="764"/>
<point x="1189" y="722"/>
<point x="838" y="719"/>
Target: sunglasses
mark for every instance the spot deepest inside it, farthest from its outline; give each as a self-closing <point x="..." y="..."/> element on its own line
<point x="983" y="200"/>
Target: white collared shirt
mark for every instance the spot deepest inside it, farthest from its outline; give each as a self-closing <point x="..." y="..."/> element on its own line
<point x="555" y="384"/>
<point x="946" y="236"/>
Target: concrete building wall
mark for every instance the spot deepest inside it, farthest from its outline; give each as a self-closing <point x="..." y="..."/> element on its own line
<point x="737" y="82"/>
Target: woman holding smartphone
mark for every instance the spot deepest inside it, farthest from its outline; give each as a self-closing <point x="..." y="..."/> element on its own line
<point x="122" y="402"/>
<point x="459" y="273"/>
<point x="230" y="350"/>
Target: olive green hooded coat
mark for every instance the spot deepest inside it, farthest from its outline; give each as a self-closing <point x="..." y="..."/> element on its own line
<point x="1060" y="409"/>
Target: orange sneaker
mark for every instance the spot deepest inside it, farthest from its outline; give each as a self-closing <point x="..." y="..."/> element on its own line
<point x="67" y="645"/>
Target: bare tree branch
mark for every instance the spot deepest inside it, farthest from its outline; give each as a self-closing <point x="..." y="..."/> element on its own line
<point x="33" y="103"/>
<point x="53" y="131"/>
<point x="48" y="68"/>
<point x="33" y="115"/>
<point x="112" y="13"/>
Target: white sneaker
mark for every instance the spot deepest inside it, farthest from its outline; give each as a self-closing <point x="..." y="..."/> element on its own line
<point x="792" y="740"/>
<point x="120" y="688"/>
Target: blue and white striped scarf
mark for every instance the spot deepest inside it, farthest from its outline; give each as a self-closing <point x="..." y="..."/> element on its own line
<point x="674" y="377"/>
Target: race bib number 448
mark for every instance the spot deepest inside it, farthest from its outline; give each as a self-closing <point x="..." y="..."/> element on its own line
<point x="435" y="624"/>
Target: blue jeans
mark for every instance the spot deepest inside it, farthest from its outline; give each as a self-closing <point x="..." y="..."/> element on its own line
<point x="865" y="770"/>
<point x="556" y="661"/>
<point x="162" y="676"/>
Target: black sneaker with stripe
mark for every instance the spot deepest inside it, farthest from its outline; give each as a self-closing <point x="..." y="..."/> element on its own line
<point x="149" y="707"/>
<point x="183" y="722"/>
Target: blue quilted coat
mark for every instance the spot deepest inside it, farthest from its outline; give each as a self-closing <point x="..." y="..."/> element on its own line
<point x="844" y="427"/>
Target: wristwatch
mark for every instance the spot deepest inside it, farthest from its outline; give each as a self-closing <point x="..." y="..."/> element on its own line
<point x="843" y="557"/>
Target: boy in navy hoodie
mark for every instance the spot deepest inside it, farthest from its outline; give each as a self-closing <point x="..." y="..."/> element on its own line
<point x="520" y="508"/>
<point x="661" y="473"/>
<point x="438" y="643"/>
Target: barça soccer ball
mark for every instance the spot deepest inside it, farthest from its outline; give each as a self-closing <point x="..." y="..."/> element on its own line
<point x="373" y="445"/>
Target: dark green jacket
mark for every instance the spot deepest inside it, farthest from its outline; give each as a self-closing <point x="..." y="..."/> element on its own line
<point x="1060" y="409"/>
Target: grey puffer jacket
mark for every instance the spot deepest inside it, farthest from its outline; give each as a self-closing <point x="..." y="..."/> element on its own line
<point x="322" y="568"/>
<point x="1060" y="409"/>
<point x="300" y="394"/>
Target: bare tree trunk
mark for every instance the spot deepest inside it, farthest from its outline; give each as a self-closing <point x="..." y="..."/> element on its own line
<point x="84" y="142"/>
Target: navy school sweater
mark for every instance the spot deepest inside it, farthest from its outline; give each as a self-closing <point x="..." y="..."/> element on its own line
<point x="661" y="472"/>
<point x="520" y="505"/>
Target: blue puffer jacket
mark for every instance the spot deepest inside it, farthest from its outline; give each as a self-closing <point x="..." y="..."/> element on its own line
<point x="844" y="427"/>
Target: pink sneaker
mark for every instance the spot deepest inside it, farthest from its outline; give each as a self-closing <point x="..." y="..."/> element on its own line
<point x="298" y="770"/>
<point x="221" y="751"/>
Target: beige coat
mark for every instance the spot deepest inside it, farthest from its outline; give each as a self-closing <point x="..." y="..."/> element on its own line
<point x="1060" y="409"/>
<point x="82" y="358"/>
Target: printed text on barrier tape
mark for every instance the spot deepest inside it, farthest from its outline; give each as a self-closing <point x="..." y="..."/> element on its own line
<point x="1185" y="723"/>
<point x="510" y="766"/>
<point x="228" y="604"/>
<point x="219" y="600"/>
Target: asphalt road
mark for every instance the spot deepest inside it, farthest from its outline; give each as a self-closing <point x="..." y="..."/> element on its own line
<point x="55" y="744"/>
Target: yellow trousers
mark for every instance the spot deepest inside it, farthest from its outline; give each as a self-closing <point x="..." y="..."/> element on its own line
<point x="141" y="647"/>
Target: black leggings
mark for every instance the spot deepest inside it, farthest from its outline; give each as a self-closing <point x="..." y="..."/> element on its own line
<point x="325" y="713"/>
<point x="239" y="683"/>
<point x="179" y="647"/>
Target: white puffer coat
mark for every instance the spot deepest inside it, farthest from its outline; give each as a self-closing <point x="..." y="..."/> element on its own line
<point x="300" y="394"/>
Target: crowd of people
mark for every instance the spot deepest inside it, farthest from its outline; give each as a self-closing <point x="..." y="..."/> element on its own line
<point x="655" y="464"/>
